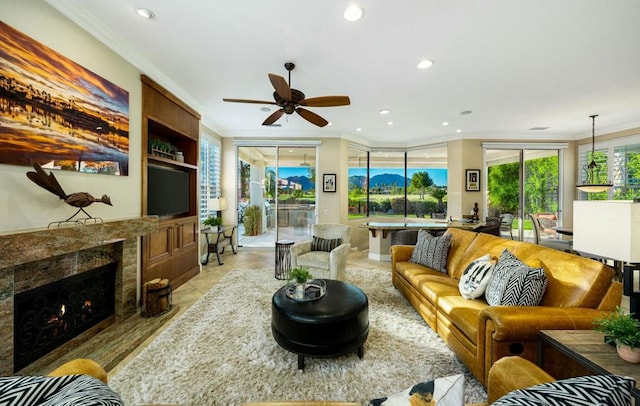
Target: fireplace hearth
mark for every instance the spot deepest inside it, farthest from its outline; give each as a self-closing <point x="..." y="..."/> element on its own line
<point x="50" y="315"/>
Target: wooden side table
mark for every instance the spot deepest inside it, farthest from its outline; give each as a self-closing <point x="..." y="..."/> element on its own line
<point x="569" y="353"/>
<point x="283" y="258"/>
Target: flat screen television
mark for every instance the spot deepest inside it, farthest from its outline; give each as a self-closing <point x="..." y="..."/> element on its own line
<point x="167" y="191"/>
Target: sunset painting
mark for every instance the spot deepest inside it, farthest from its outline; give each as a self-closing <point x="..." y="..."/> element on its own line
<point x="57" y="113"/>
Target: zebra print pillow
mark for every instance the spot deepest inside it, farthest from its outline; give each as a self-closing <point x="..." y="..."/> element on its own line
<point x="513" y="283"/>
<point x="431" y="251"/>
<point x="56" y="391"/>
<point x="610" y="390"/>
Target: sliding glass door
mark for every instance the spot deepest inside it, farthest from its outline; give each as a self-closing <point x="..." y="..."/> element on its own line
<point x="523" y="183"/>
<point x="276" y="194"/>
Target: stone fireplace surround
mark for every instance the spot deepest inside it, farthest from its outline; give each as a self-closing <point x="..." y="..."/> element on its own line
<point x="33" y="258"/>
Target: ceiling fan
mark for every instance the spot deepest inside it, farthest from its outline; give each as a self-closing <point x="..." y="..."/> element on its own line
<point x="290" y="100"/>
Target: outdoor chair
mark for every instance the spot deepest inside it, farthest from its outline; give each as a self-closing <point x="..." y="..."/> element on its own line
<point x="506" y="223"/>
<point x="555" y="243"/>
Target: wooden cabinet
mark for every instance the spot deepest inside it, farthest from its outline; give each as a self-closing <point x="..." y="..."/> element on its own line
<point x="169" y="185"/>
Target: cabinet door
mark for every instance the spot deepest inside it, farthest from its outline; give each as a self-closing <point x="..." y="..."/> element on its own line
<point x="159" y="245"/>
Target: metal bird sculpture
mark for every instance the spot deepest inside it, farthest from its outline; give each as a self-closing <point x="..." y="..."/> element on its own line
<point x="79" y="199"/>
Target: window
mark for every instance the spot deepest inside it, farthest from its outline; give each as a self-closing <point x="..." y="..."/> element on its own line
<point x="620" y="160"/>
<point x="209" y="174"/>
<point x="397" y="183"/>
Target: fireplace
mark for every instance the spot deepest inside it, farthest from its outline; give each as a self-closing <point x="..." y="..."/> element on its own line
<point x="34" y="258"/>
<point x="50" y="315"/>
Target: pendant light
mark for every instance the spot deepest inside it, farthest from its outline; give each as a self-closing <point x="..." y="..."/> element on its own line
<point x="594" y="182"/>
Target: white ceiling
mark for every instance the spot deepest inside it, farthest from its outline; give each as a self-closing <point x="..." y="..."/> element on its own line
<point x="516" y="64"/>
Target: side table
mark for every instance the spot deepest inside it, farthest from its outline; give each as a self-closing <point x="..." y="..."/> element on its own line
<point x="283" y="258"/>
<point x="217" y="239"/>
<point x="569" y="353"/>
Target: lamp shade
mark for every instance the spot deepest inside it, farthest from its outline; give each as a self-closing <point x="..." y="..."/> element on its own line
<point x="607" y="228"/>
<point x="217" y="204"/>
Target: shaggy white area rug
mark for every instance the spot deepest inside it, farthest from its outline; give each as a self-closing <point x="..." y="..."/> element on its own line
<point x="221" y="352"/>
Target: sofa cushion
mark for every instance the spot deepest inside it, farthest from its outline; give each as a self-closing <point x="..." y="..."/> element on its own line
<point x="431" y="251"/>
<point x="514" y="283"/>
<point x="463" y="314"/>
<point x="475" y="278"/>
<point x="324" y="244"/>
<point x="610" y="390"/>
<point x="447" y="391"/>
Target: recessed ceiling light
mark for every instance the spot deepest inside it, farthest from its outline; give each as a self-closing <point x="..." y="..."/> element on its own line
<point x="464" y="113"/>
<point x="385" y="111"/>
<point x="389" y="122"/>
<point x="445" y="123"/>
<point x="145" y="12"/>
<point x="458" y="130"/>
<point x="353" y="13"/>
<point x="424" y="64"/>
<point x="330" y="123"/>
<point x="538" y="128"/>
<point x="358" y="129"/>
<point x="265" y="109"/>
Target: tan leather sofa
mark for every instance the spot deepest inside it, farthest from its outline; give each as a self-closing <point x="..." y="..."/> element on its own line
<point x="578" y="291"/>
<point x="81" y="366"/>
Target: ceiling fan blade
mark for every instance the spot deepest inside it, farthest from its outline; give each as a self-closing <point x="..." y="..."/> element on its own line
<point x="248" y="101"/>
<point x="312" y="117"/>
<point x="281" y="86"/>
<point x="326" y="101"/>
<point x="273" y="117"/>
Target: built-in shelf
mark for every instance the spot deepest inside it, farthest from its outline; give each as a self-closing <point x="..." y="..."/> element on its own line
<point x="172" y="162"/>
<point x="171" y="252"/>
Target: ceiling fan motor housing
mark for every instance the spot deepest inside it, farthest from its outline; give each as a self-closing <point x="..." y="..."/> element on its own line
<point x="289" y="105"/>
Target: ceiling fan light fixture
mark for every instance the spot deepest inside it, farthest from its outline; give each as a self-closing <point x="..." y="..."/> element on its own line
<point x="594" y="181"/>
<point x="145" y="13"/>
<point x="353" y="13"/>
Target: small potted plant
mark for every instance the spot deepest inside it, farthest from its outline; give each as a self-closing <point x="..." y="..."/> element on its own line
<point x="213" y="222"/>
<point x="623" y="330"/>
<point x="299" y="276"/>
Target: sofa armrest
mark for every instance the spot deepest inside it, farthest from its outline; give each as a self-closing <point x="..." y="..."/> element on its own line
<point x="298" y="249"/>
<point x="81" y="366"/>
<point x="524" y="322"/>
<point x="338" y="261"/>
<point x="511" y="373"/>
<point x="401" y="253"/>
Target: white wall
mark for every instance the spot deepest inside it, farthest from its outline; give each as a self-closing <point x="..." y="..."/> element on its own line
<point x="23" y="204"/>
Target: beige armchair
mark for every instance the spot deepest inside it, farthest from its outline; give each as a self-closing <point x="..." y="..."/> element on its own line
<point x="323" y="264"/>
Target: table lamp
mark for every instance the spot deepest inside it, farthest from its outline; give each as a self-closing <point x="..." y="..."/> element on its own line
<point x="611" y="229"/>
<point x="217" y="204"/>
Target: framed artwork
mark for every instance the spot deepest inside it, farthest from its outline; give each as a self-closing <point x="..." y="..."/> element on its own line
<point x="472" y="180"/>
<point x="329" y="182"/>
<point x="57" y="113"/>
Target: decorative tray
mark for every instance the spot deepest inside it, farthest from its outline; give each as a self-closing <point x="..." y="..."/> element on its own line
<point x="313" y="290"/>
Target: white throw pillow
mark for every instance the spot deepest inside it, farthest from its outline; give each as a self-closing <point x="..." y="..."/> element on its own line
<point x="475" y="277"/>
<point x="447" y="391"/>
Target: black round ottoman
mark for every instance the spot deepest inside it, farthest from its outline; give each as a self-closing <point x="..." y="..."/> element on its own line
<point x="335" y="324"/>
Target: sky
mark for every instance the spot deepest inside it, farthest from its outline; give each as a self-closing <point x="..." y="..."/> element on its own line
<point x="439" y="175"/>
